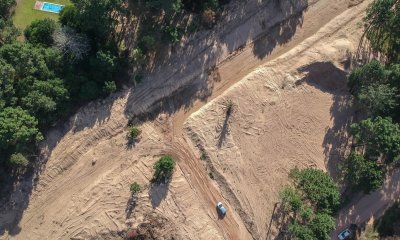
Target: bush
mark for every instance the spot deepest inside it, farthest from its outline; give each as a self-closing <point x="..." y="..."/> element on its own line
<point x="41" y="32"/>
<point x="133" y="133"/>
<point x="164" y="168"/>
<point x="389" y="224"/>
<point x="172" y="34"/>
<point x="148" y="43"/>
<point x="138" y="56"/>
<point x="18" y="160"/>
<point x="109" y="87"/>
<point x="135" y="188"/>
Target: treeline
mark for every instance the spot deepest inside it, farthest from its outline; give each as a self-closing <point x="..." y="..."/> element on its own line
<point x="310" y="205"/>
<point x="376" y="90"/>
<point x="61" y="65"/>
<point x="58" y="66"/>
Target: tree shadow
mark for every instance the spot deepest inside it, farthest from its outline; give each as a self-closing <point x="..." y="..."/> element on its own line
<point x="16" y="199"/>
<point x="188" y="71"/>
<point x="223" y="130"/>
<point x="281" y="32"/>
<point x="331" y="79"/>
<point x="157" y="193"/>
<point x="130" y="205"/>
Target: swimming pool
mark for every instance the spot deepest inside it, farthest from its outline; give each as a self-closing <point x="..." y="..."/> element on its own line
<point x="52" y="7"/>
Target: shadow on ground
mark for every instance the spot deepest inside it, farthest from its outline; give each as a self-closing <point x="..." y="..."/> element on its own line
<point x="183" y="73"/>
<point x="157" y="193"/>
<point x="331" y="79"/>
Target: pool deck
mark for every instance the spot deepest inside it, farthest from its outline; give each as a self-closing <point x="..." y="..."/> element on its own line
<point x="38" y="5"/>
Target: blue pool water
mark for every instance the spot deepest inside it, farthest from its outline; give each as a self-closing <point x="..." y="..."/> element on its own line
<point x="51" y="7"/>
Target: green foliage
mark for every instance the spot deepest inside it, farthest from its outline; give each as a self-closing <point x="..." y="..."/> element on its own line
<point x="89" y="91"/>
<point x="18" y="160"/>
<point x="383" y="28"/>
<point x="300" y="232"/>
<point x="362" y="174"/>
<point x="389" y="224"/>
<point x="41" y="32"/>
<point x="291" y="199"/>
<point x="135" y="188"/>
<point x="17" y="128"/>
<point x="133" y="133"/>
<point x="318" y="187"/>
<point x="310" y="205"/>
<point x="322" y="225"/>
<point x="69" y="17"/>
<point x="103" y="66"/>
<point x="379" y="136"/>
<point x="109" y="87"/>
<point x="5" y="6"/>
<point x="138" y="56"/>
<point x="164" y="168"/>
<point x="94" y="18"/>
<point x="8" y="32"/>
<point x="148" y="44"/>
<point x="172" y="34"/>
<point x="375" y="88"/>
<point x="176" y="5"/>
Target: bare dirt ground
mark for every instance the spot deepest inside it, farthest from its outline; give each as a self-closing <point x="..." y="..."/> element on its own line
<point x="371" y="206"/>
<point x="288" y="113"/>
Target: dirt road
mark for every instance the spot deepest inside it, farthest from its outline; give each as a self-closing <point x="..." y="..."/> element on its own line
<point x="371" y="205"/>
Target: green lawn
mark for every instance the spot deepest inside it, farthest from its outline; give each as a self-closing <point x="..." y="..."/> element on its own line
<point x="25" y="14"/>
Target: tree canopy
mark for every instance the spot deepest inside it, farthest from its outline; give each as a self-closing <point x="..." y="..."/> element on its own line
<point x="310" y="205"/>
<point x="383" y="28"/>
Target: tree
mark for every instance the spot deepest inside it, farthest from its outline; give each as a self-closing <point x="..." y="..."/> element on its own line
<point x="291" y="200"/>
<point x="318" y="187"/>
<point x="362" y="174"/>
<point x="378" y="136"/>
<point x="8" y="32"/>
<point x="18" y="160"/>
<point x="7" y="91"/>
<point x="133" y="133"/>
<point x="135" y="188"/>
<point x="94" y="18"/>
<point x="73" y="45"/>
<point x="5" y="6"/>
<point x="322" y="225"/>
<point x="164" y="168"/>
<point x="383" y="28"/>
<point x="41" y="32"/>
<point x="376" y="88"/>
<point x="300" y="232"/>
<point x="17" y="127"/>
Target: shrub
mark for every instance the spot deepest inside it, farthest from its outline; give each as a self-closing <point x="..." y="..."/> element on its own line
<point x="172" y="34"/>
<point x="138" y="56"/>
<point x="41" y="32"/>
<point x="109" y="87"/>
<point x="164" y="168"/>
<point x="133" y="133"/>
<point x="148" y="43"/>
<point x="135" y="188"/>
<point x="18" y="160"/>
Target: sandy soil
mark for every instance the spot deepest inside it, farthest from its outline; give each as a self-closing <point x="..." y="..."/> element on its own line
<point x="288" y="113"/>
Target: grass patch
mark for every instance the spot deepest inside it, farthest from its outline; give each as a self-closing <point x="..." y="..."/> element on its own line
<point x="25" y="14"/>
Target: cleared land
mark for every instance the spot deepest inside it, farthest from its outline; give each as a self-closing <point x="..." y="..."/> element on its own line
<point x="289" y="112"/>
<point x="25" y="14"/>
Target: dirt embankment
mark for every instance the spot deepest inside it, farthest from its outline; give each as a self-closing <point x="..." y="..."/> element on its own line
<point x="82" y="191"/>
<point x="292" y="111"/>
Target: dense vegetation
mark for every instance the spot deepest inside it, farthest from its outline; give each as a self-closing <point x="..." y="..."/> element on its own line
<point x="310" y="205"/>
<point x="83" y="56"/>
<point x="376" y="90"/>
<point x="389" y="224"/>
